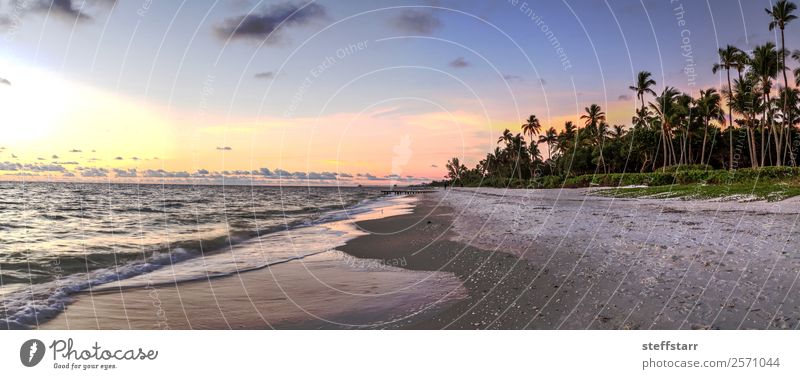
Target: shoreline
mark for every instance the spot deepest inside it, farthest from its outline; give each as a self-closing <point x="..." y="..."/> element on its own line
<point x="521" y="259"/>
<point x="328" y="290"/>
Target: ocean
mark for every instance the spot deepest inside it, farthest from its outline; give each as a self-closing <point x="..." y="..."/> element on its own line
<point x="62" y="239"/>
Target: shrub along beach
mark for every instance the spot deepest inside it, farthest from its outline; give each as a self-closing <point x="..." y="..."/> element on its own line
<point x="744" y="135"/>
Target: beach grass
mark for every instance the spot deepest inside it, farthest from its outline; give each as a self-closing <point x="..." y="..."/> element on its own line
<point x="740" y="191"/>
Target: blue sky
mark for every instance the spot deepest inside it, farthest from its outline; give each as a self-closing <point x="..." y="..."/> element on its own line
<point x="190" y="49"/>
<point x="488" y="64"/>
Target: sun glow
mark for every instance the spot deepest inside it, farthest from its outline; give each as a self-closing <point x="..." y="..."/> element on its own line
<point x="46" y="116"/>
<point x="32" y="106"/>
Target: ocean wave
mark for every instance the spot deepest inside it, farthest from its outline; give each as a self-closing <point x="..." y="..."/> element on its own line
<point x="40" y="302"/>
<point x="214" y="257"/>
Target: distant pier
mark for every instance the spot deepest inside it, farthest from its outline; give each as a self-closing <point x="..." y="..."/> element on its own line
<point x="407" y="191"/>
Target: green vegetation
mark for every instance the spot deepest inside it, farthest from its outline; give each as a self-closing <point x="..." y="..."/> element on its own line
<point x="770" y="191"/>
<point x="745" y="134"/>
<point x="673" y="176"/>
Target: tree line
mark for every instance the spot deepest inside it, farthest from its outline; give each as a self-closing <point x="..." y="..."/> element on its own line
<point x="750" y="123"/>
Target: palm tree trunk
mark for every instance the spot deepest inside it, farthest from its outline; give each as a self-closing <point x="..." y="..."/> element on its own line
<point x="602" y="161"/>
<point x="730" y="119"/>
<point x="787" y="149"/>
<point x="641" y="98"/>
<point x="705" y="138"/>
<point x="684" y="155"/>
<point x="655" y="155"/>
<point x="787" y="136"/>
<point x="763" y="136"/>
<point x="774" y="133"/>
<point x="779" y="142"/>
<point x="664" y="144"/>
<point x="789" y="143"/>
<point x="783" y="58"/>
<point x="688" y="141"/>
<point x="779" y="132"/>
<point x="711" y="148"/>
<point x="751" y="140"/>
<point x="689" y="158"/>
<point x="672" y="149"/>
<point x="753" y="147"/>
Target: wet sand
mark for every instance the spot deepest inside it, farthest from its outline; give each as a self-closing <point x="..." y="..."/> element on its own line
<point x="326" y="291"/>
<point x="426" y="241"/>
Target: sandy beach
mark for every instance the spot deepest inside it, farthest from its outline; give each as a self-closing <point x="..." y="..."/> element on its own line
<point x="507" y="259"/>
<point x="603" y="263"/>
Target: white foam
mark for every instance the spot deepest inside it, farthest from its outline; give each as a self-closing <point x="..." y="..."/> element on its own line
<point x="40" y="302"/>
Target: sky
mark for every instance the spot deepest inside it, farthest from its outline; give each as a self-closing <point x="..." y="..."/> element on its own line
<point x="329" y="92"/>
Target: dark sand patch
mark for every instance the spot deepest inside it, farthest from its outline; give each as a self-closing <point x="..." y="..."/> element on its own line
<point x="328" y="291"/>
<point x="501" y="287"/>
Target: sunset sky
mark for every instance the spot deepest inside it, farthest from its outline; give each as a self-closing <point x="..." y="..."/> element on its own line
<point x="327" y="91"/>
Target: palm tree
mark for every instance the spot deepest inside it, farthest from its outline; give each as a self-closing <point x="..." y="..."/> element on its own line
<point x="781" y="14"/>
<point x="455" y="170"/>
<point x="536" y="158"/>
<point x="505" y="137"/>
<point x="570" y="131"/>
<point x="531" y="127"/>
<point x="666" y="109"/>
<point x="643" y="84"/>
<point x="514" y="143"/>
<point x="789" y="96"/>
<point x="796" y="56"/>
<point x="741" y="61"/>
<point x="594" y="117"/>
<point x="533" y="150"/>
<point x="709" y="107"/>
<point x="730" y="57"/>
<point x="642" y="118"/>
<point x="487" y="165"/>
<point x="550" y="137"/>
<point x="617" y="132"/>
<point x="602" y="132"/>
<point x="567" y="137"/>
<point x="685" y="118"/>
<point x="747" y="102"/>
<point x="765" y="64"/>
